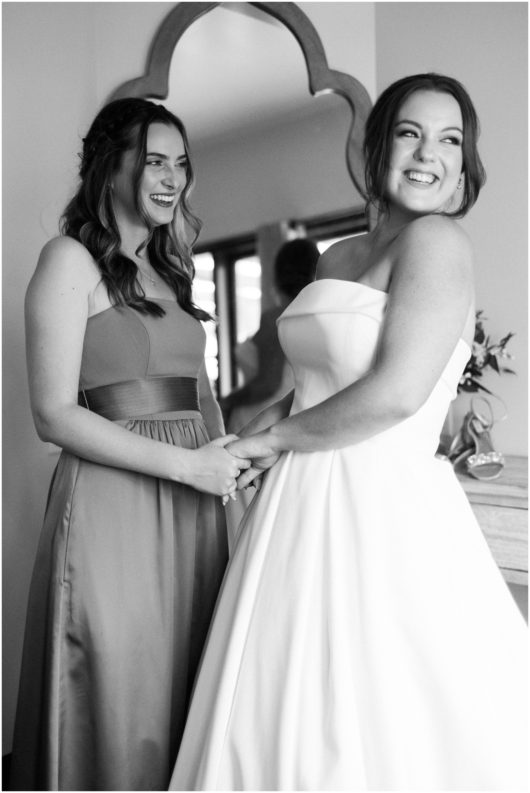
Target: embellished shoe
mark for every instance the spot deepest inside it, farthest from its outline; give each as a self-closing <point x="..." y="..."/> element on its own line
<point x="483" y="461"/>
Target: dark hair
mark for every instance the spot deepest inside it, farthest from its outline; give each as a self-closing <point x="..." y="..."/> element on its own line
<point x="380" y="128"/>
<point x="122" y="126"/>
<point x="295" y="266"/>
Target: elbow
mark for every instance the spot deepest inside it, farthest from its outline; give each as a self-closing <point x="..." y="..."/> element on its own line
<point x="405" y="404"/>
<point x="44" y="430"/>
<point x="47" y="427"/>
<point x="395" y="396"/>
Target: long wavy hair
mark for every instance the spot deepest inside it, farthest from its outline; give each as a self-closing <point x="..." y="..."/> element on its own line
<point x="119" y="127"/>
<point x="380" y="129"/>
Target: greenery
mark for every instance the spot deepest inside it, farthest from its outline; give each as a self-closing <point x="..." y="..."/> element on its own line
<point x="485" y="354"/>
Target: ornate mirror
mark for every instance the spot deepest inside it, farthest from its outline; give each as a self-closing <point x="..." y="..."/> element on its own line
<point x="155" y="83"/>
<point x="276" y="138"/>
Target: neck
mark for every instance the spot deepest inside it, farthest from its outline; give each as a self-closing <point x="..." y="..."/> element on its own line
<point x="130" y="251"/>
<point x="131" y="243"/>
<point x="132" y="236"/>
<point x="386" y="231"/>
<point x="389" y="225"/>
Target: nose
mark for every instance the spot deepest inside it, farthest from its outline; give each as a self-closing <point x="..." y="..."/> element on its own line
<point x="424" y="151"/>
<point x="169" y="179"/>
<point x="174" y="177"/>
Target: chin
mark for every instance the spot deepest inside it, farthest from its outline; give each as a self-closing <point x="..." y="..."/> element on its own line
<point x="164" y="219"/>
<point x="424" y="208"/>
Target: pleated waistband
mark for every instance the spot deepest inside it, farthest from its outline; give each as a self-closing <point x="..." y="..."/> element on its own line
<point x="134" y="398"/>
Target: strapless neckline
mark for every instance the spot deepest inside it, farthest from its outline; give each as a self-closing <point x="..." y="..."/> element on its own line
<point x="354" y="283"/>
<point x="384" y="296"/>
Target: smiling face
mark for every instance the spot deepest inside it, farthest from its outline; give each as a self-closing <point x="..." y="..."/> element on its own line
<point x="426" y="156"/>
<point x="163" y="178"/>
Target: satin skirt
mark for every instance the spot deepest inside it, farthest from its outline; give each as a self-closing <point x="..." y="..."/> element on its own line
<point x="125" y="581"/>
<point x="364" y="639"/>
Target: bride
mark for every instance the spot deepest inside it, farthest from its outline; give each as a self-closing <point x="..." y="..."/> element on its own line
<point x="364" y="638"/>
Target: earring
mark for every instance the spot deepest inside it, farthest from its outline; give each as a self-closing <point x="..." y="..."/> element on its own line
<point x="460" y="183"/>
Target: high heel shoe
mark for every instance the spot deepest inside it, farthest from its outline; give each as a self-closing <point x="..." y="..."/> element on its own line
<point x="472" y="447"/>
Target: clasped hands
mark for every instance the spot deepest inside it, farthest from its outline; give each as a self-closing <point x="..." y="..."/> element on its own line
<point x="258" y="450"/>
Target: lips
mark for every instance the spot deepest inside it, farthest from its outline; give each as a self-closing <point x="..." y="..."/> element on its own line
<point x="421" y="177"/>
<point x="163" y="199"/>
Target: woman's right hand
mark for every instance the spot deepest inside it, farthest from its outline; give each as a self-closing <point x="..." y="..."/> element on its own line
<point x="214" y="470"/>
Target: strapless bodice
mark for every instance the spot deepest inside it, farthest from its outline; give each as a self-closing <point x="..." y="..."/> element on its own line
<point x="121" y="344"/>
<point x="330" y="333"/>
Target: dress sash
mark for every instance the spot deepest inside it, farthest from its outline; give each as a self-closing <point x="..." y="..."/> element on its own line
<point x="133" y="398"/>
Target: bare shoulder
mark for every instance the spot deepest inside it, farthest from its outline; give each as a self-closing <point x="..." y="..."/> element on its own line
<point x="434" y="231"/>
<point x="66" y="261"/>
<point x="337" y="259"/>
<point x="437" y="247"/>
<point x="65" y="251"/>
<point x="65" y="269"/>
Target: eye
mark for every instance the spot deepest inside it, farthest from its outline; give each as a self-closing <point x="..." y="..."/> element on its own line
<point x="182" y="164"/>
<point x="155" y="163"/>
<point x="453" y="140"/>
<point x="407" y="133"/>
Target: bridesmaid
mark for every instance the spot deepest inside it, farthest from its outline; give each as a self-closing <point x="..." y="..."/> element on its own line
<point x="134" y="545"/>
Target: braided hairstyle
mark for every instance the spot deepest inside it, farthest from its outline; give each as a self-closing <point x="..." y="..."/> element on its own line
<point x="122" y="126"/>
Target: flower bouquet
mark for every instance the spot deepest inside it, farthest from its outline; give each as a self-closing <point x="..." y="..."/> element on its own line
<point x="485" y="355"/>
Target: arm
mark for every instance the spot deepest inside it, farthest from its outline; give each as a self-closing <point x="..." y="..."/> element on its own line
<point x="263" y="421"/>
<point x="268" y="416"/>
<point x="429" y="301"/>
<point x="56" y="315"/>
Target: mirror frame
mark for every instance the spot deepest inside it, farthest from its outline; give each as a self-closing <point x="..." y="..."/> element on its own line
<point x="155" y="81"/>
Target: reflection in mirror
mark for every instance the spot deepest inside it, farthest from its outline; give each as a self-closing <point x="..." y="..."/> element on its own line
<point x="260" y="141"/>
<point x="264" y="149"/>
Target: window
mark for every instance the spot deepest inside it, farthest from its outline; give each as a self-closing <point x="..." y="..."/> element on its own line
<point x="228" y="285"/>
<point x="247" y="272"/>
<point x="204" y="297"/>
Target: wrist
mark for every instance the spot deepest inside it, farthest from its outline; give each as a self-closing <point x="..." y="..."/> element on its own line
<point x="181" y="465"/>
<point x="273" y="437"/>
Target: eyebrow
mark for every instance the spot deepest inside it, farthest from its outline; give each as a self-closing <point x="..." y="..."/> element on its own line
<point x="164" y="156"/>
<point x="415" y="124"/>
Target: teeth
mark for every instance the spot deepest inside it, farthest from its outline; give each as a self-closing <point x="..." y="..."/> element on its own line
<point x="417" y="176"/>
<point x="165" y="199"/>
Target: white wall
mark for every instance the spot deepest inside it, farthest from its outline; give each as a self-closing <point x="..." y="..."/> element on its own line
<point x="39" y="127"/>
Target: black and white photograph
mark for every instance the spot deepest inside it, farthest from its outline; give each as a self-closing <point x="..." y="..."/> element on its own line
<point x="265" y="396"/>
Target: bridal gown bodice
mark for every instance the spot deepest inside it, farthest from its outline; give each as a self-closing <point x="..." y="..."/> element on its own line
<point x="341" y="320"/>
<point x="364" y="638"/>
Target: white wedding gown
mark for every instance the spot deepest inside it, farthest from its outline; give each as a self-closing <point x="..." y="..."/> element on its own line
<point x="364" y="638"/>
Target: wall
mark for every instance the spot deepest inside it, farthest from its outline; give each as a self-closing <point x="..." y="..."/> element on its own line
<point x="484" y="45"/>
<point x="39" y="129"/>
